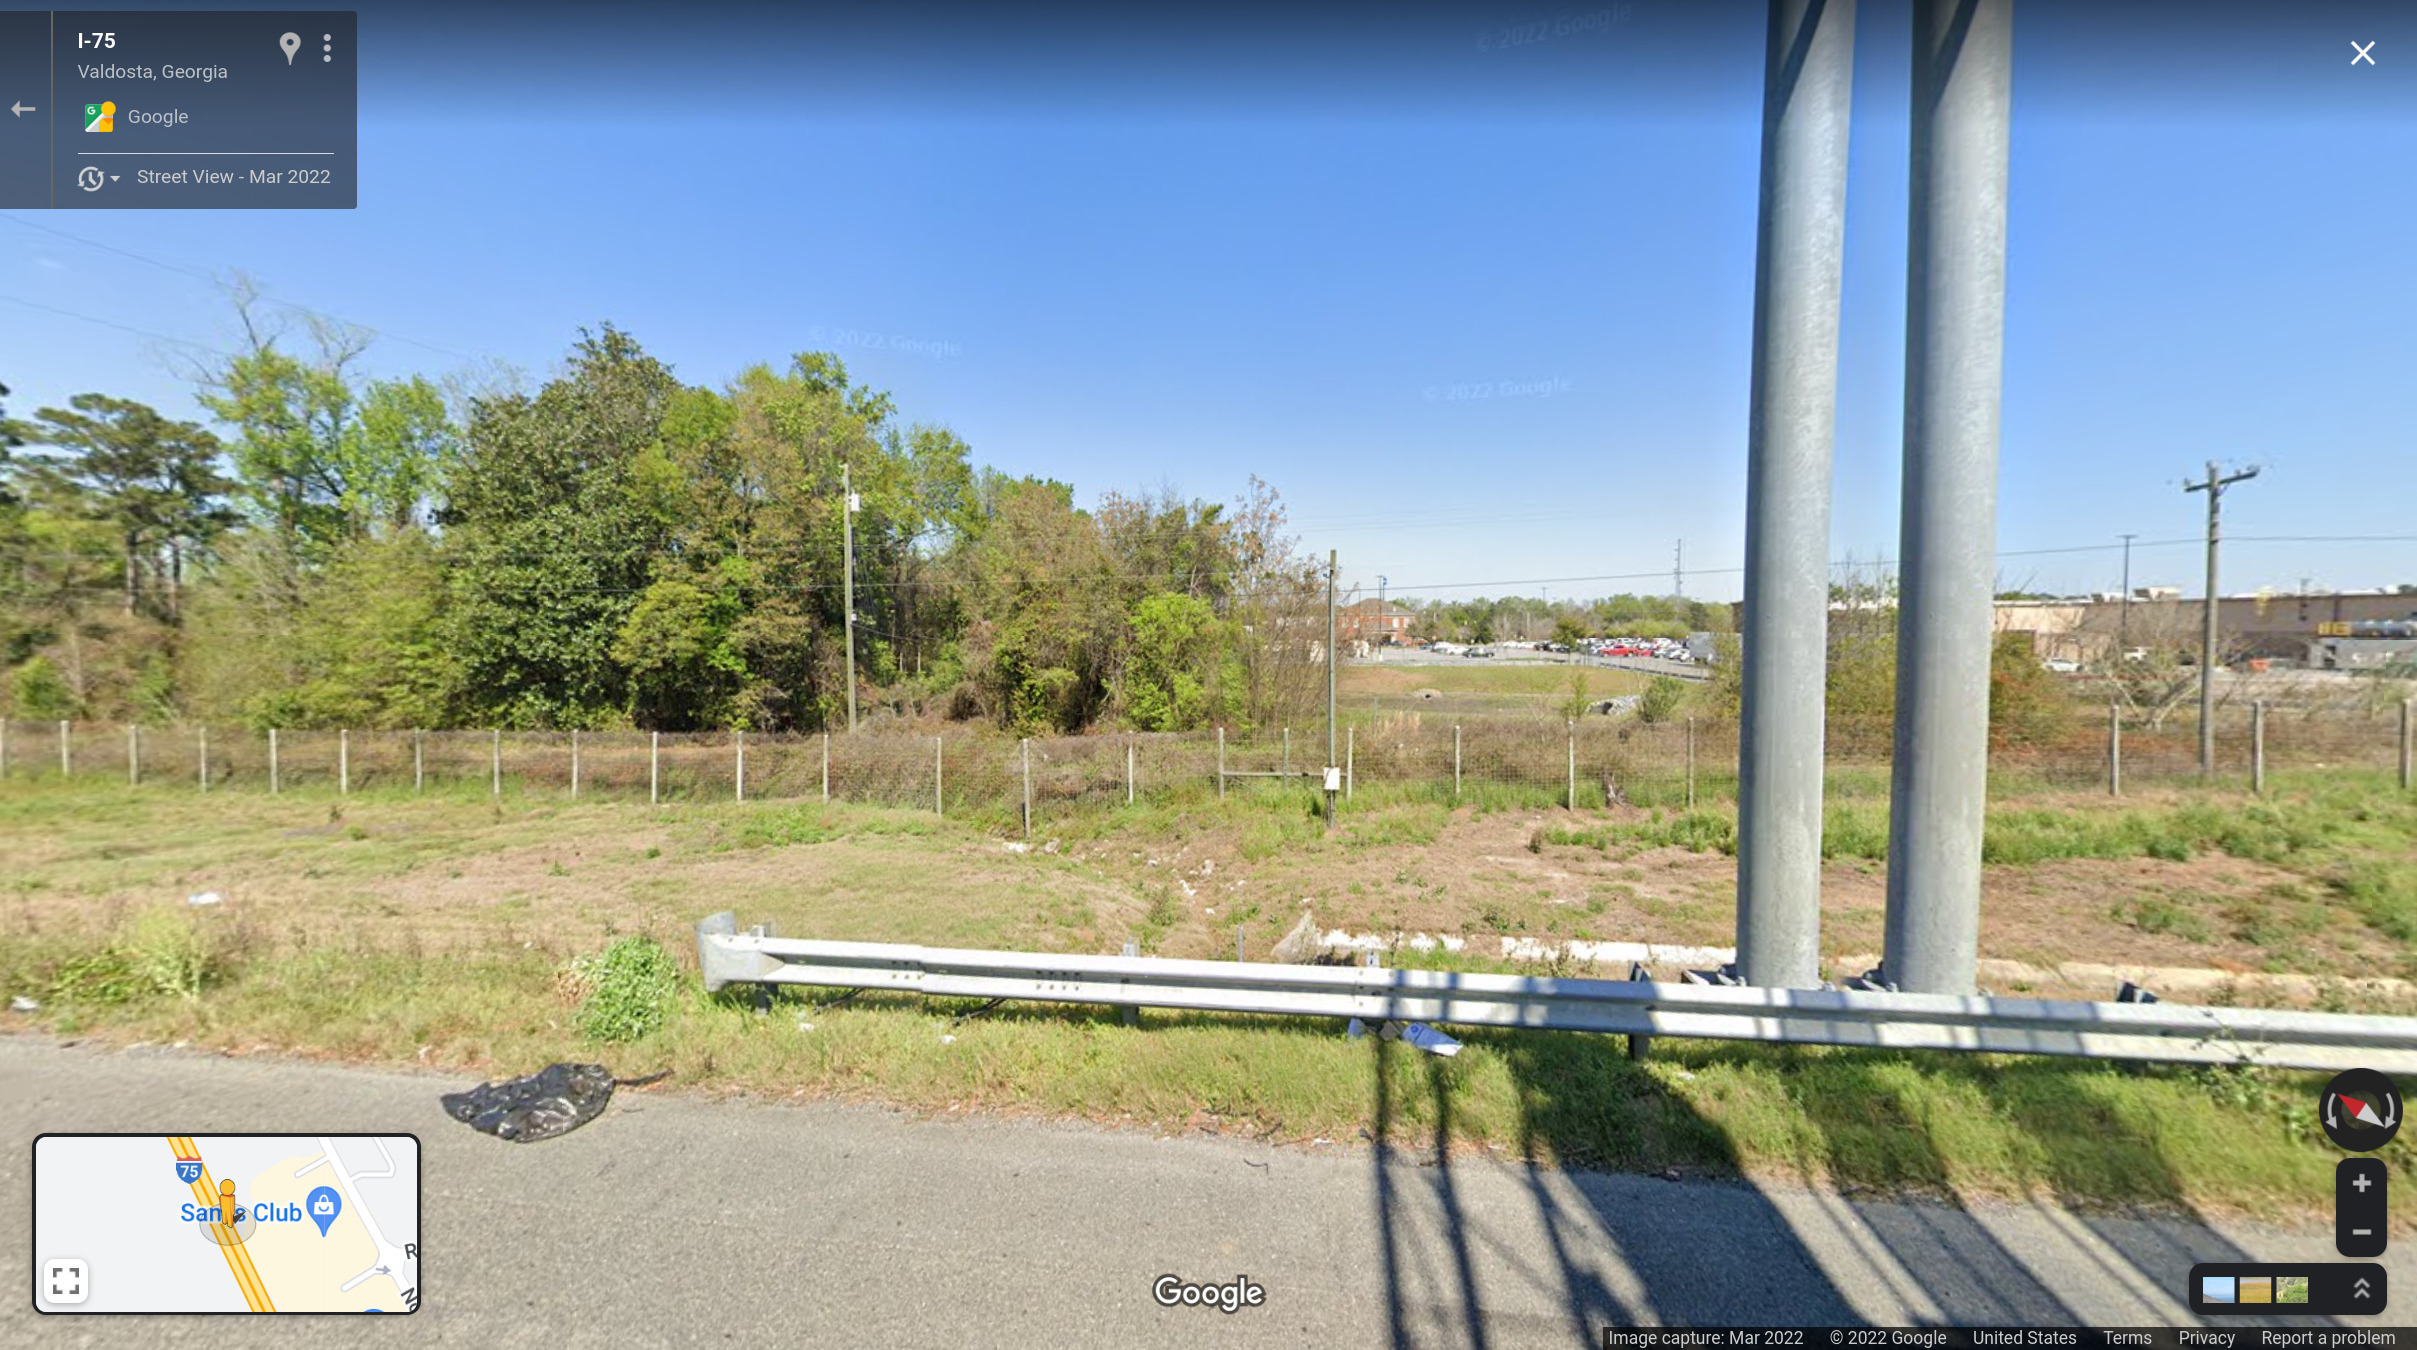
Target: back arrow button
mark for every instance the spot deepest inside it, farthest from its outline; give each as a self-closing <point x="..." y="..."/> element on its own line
<point x="19" y="109"/>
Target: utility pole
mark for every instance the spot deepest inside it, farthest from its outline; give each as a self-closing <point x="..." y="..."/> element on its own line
<point x="847" y="516"/>
<point x="2214" y="488"/>
<point x="1333" y="773"/>
<point x="1384" y="625"/>
<point x="2123" y="615"/>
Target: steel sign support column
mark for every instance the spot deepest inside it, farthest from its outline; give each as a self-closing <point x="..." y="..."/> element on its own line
<point x="1954" y="376"/>
<point x="1801" y="233"/>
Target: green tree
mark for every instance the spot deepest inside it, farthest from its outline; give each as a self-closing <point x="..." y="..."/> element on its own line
<point x="154" y="482"/>
<point x="1663" y="695"/>
<point x="1182" y="666"/>
<point x="1569" y="632"/>
<point x="550" y="539"/>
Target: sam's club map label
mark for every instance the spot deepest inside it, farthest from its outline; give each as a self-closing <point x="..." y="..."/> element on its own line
<point x="245" y="1223"/>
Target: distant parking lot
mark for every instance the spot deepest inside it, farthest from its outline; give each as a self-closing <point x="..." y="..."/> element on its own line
<point x="1648" y="665"/>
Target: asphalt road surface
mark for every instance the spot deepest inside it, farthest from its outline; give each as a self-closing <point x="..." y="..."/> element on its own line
<point x="673" y="1220"/>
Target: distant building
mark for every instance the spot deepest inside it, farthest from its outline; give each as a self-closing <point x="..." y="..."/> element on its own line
<point x="1376" y="623"/>
<point x="2274" y="625"/>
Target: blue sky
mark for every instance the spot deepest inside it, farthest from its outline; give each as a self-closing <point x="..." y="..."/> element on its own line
<point x="1140" y="252"/>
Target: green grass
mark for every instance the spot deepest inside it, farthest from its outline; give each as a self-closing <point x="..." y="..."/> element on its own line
<point x="1934" y="1124"/>
<point x="96" y="930"/>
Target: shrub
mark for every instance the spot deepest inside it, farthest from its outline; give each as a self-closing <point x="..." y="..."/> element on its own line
<point x="1662" y="697"/>
<point x="629" y="989"/>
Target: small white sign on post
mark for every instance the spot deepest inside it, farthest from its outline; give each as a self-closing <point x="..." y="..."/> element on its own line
<point x="1334" y="778"/>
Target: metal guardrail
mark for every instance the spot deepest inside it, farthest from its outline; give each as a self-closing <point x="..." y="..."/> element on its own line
<point x="2171" y="1032"/>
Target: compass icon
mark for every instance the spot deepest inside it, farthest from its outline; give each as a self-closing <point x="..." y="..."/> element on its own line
<point x="88" y="178"/>
<point x="2360" y="1110"/>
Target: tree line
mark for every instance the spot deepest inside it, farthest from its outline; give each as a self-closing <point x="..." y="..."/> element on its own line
<point x="616" y="548"/>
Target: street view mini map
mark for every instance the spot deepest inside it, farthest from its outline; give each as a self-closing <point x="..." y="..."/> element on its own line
<point x="265" y="1223"/>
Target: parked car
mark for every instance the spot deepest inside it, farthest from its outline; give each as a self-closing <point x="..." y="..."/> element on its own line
<point x="2062" y="665"/>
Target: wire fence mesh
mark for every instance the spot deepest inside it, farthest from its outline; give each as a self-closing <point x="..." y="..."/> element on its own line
<point x="1585" y="762"/>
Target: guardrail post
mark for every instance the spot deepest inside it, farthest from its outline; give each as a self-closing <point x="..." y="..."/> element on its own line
<point x="738" y="773"/>
<point x="574" y="765"/>
<point x="275" y="784"/>
<point x="495" y="765"/>
<point x="1350" y="749"/>
<point x="202" y="758"/>
<point x="343" y="763"/>
<point x="1573" y="764"/>
<point x="939" y="753"/>
<point x="654" y="767"/>
<point x="419" y="760"/>
<point x="1026" y="748"/>
<point x="134" y="755"/>
<point x="67" y="763"/>
<point x="1456" y="761"/>
<point x="1220" y="760"/>
<point x="2257" y="745"/>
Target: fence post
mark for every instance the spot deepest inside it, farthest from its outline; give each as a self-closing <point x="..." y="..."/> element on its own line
<point x="1128" y="772"/>
<point x="495" y="765"/>
<point x="2408" y="741"/>
<point x="826" y="768"/>
<point x="1690" y="763"/>
<point x="275" y="784"/>
<point x="1455" y="761"/>
<point x="67" y="764"/>
<point x="1220" y="759"/>
<point x="343" y="762"/>
<point x="134" y="755"/>
<point x="1027" y="749"/>
<point x="2114" y="749"/>
<point x="1573" y="764"/>
<point x="203" y="769"/>
<point x="3" y="747"/>
<point x="1287" y="764"/>
<point x="1350" y="747"/>
<point x="939" y="754"/>
<point x="2257" y="745"/>
<point x="654" y="767"/>
<point x="574" y="764"/>
<point x="419" y="760"/>
<point x="738" y="773"/>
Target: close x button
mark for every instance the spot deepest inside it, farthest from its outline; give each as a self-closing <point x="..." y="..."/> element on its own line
<point x="2360" y="1224"/>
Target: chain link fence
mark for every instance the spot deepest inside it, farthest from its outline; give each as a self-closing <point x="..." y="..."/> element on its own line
<point x="1588" y="762"/>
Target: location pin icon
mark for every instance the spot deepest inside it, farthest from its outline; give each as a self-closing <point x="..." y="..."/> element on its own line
<point x="292" y="42"/>
<point x="322" y="1205"/>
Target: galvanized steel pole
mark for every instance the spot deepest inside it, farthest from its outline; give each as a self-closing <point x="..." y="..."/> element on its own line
<point x="654" y="767"/>
<point x="2114" y="749"/>
<point x="1954" y="375"/>
<point x="2408" y="743"/>
<point x="574" y="765"/>
<point x="343" y="763"/>
<point x="134" y="756"/>
<point x="1801" y="231"/>
<point x="274" y="785"/>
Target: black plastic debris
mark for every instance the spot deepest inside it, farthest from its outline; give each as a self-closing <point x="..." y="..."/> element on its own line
<point x="547" y="1104"/>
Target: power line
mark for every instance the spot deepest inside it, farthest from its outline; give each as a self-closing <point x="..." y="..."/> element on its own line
<point x="213" y="280"/>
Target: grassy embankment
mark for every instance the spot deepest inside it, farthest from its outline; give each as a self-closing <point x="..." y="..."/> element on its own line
<point x="458" y="934"/>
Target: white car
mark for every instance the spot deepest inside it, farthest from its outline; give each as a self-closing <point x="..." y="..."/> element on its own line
<point x="2062" y="665"/>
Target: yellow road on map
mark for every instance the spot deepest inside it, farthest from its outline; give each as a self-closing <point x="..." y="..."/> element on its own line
<point x="239" y="1261"/>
